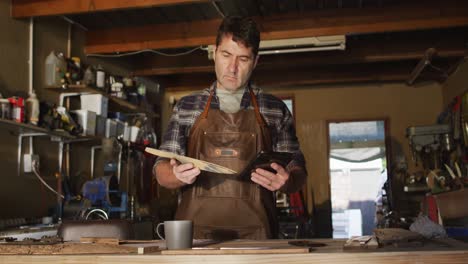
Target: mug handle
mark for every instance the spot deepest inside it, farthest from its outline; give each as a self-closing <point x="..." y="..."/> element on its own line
<point x="157" y="230"/>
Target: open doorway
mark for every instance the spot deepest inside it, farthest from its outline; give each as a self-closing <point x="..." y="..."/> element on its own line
<point x="358" y="171"/>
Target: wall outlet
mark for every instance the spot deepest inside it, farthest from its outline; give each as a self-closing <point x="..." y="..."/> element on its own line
<point x="28" y="161"/>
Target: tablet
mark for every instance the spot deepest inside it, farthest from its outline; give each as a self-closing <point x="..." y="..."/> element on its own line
<point x="263" y="160"/>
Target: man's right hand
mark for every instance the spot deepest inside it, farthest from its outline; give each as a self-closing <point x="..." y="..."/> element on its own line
<point x="186" y="173"/>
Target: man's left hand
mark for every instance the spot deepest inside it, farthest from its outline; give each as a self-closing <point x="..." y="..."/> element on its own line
<point x="269" y="180"/>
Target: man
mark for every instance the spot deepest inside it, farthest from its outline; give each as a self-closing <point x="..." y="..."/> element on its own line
<point x="228" y="124"/>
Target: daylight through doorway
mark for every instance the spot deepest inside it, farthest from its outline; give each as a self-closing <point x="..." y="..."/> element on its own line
<point x="357" y="174"/>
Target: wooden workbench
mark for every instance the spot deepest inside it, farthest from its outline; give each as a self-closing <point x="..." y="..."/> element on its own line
<point x="332" y="252"/>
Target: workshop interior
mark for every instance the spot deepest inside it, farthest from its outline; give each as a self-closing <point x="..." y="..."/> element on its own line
<point x="381" y="112"/>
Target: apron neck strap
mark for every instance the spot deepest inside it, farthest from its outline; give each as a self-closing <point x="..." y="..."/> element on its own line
<point x="208" y="102"/>
<point x="256" y="108"/>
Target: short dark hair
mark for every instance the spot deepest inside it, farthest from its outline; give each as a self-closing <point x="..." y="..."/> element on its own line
<point x="242" y="29"/>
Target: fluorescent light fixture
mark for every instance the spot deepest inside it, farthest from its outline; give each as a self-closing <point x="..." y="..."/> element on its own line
<point x="297" y="50"/>
<point x="295" y="45"/>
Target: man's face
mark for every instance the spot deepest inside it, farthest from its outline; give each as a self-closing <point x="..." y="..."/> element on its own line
<point x="234" y="64"/>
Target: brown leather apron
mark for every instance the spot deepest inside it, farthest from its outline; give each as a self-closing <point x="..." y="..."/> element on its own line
<point x="222" y="206"/>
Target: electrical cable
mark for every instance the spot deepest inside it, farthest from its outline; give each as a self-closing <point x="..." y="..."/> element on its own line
<point x="43" y="182"/>
<point x="142" y="51"/>
<point x="101" y="213"/>
<point x="218" y="9"/>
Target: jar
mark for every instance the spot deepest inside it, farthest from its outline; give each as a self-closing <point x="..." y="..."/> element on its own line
<point x="5" y="108"/>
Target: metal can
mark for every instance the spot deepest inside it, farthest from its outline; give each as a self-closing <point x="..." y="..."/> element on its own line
<point x="17" y="109"/>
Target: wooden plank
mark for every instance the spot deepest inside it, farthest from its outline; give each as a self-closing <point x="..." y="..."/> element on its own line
<point x="152" y="37"/>
<point x="100" y="240"/>
<point x="335" y="257"/>
<point x="407" y="17"/>
<point x="173" y="70"/>
<point x="396" y="235"/>
<point x="241" y="247"/>
<point x="36" y="8"/>
<point x="362" y="243"/>
<point x="397" y="71"/>
<point x="228" y="251"/>
<point x="318" y="75"/>
<point x="75" y="249"/>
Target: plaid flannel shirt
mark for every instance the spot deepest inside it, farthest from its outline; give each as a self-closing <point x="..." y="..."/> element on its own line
<point x="276" y="114"/>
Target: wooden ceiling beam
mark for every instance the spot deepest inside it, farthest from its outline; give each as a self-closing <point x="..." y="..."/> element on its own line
<point x="362" y="49"/>
<point x="319" y="75"/>
<point x="433" y="14"/>
<point x="374" y="72"/>
<point x="37" y="8"/>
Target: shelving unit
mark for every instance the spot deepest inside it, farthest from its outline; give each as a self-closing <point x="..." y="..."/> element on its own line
<point x="114" y="102"/>
<point x="61" y="137"/>
<point x="23" y="130"/>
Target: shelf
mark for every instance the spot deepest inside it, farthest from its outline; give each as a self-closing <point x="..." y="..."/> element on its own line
<point x="74" y="89"/>
<point x="64" y="136"/>
<point x="27" y="128"/>
<point x="114" y="102"/>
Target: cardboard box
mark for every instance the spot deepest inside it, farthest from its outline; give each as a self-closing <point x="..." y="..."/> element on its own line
<point x="452" y="205"/>
<point x="95" y="102"/>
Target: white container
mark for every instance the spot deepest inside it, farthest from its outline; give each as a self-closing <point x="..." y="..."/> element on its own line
<point x="111" y="128"/>
<point x="87" y="119"/>
<point x="32" y="109"/>
<point x="134" y="130"/>
<point x="126" y="134"/>
<point x="100" y="77"/>
<point x="96" y="103"/>
<point x="55" y="69"/>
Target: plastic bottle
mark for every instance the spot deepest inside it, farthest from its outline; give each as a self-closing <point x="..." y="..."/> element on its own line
<point x="32" y="109"/>
<point x="89" y="77"/>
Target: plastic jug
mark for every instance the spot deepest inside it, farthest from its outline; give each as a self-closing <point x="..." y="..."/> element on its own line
<point x="55" y="69"/>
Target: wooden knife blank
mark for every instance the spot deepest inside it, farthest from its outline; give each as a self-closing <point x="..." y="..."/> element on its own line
<point x="202" y="165"/>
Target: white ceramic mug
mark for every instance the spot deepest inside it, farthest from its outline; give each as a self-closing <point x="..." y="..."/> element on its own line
<point x="178" y="233"/>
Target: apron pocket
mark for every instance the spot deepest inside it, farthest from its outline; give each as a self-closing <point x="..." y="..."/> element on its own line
<point x="219" y="186"/>
<point x="233" y="149"/>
